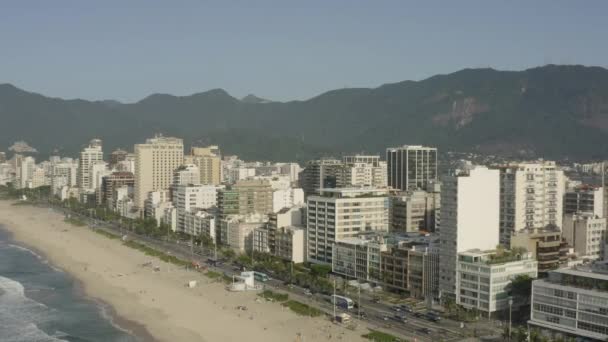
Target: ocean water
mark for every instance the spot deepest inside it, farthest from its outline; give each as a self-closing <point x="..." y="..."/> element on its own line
<point x="39" y="303"/>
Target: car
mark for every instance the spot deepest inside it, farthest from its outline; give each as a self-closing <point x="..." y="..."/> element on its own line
<point x="385" y="318"/>
<point x="433" y="317"/>
<point x="400" y="318"/>
<point x="425" y="331"/>
<point x="406" y="308"/>
<point x="308" y="292"/>
<point x="397" y="308"/>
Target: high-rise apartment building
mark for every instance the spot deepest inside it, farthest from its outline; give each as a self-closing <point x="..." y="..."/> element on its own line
<point x="584" y="198"/>
<point x="112" y="182"/>
<point x="89" y="156"/>
<point x="414" y="211"/>
<point x="209" y="163"/>
<point x="155" y="163"/>
<point x="531" y="196"/>
<point x="188" y="174"/>
<point x="586" y="233"/>
<point x="411" y="167"/>
<point x="469" y="219"/>
<point x="246" y="197"/>
<point x="319" y="174"/>
<point x="340" y="213"/>
<point x="117" y="156"/>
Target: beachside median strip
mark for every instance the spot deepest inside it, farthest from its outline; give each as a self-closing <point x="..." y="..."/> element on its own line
<point x="302" y="309"/>
<point x="274" y="296"/>
<point x="379" y="336"/>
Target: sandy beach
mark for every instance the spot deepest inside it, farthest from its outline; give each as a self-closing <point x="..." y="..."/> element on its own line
<point x="160" y="301"/>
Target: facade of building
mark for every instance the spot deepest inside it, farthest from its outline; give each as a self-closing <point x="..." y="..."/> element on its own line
<point x="586" y="234"/>
<point x="341" y="213"/>
<point x="572" y="303"/>
<point x="584" y="198"/>
<point x="319" y="174"/>
<point x="469" y="219"/>
<point x="290" y="243"/>
<point x="362" y="171"/>
<point x="199" y="223"/>
<point x="191" y="198"/>
<point x="411" y="167"/>
<point x="484" y="278"/>
<point x="358" y="258"/>
<point x="547" y="245"/>
<point x="117" y="156"/>
<point x="89" y="156"/>
<point x="114" y="181"/>
<point x="236" y="231"/>
<point x="245" y="198"/>
<point x="187" y="174"/>
<point x="287" y="198"/>
<point x="417" y="210"/>
<point x="531" y="197"/>
<point x="155" y="162"/>
<point x="209" y="162"/>
<point x="260" y="240"/>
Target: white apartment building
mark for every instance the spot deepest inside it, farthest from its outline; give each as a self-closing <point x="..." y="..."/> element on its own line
<point x="156" y="203"/>
<point x="89" y="156"/>
<point x="341" y="213"/>
<point x="531" y="197"/>
<point x="572" y="303"/>
<point x="483" y="278"/>
<point x="26" y="171"/>
<point x="201" y="222"/>
<point x="362" y="170"/>
<point x="469" y="219"/>
<point x="188" y="174"/>
<point x="155" y="162"/>
<point x="358" y="258"/>
<point x="290" y="244"/>
<point x="287" y="198"/>
<point x="236" y="231"/>
<point x="586" y="233"/>
<point x="187" y="198"/>
<point x="292" y="170"/>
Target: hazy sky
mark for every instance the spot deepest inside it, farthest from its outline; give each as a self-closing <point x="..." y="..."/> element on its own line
<point x="282" y="50"/>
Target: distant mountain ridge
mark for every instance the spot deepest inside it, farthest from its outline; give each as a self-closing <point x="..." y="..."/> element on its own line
<point x="552" y="111"/>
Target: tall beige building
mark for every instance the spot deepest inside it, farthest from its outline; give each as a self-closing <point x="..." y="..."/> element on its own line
<point x="208" y="160"/>
<point x="155" y="163"/>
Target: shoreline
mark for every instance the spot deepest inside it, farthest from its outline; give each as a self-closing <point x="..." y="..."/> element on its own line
<point x="156" y="305"/>
<point x="106" y="310"/>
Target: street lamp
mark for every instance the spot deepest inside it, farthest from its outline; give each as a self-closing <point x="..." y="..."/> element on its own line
<point x="510" y="306"/>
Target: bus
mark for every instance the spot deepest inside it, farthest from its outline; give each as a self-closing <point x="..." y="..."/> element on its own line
<point x="259" y="276"/>
<point x="343" y="302"/>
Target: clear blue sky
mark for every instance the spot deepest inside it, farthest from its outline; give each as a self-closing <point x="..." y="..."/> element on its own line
<point x="282" y="50"/>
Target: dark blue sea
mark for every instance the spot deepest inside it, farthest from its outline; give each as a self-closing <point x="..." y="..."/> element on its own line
<point x="39" y="303"/>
